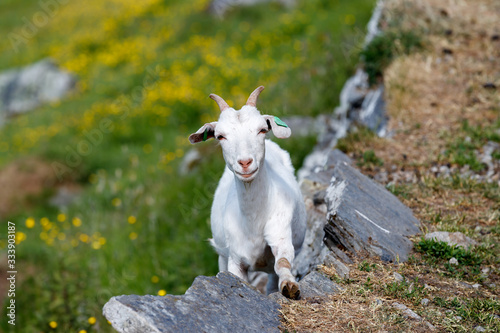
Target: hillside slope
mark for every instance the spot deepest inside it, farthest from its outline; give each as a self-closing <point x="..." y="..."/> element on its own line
<point x="442" y="160"/>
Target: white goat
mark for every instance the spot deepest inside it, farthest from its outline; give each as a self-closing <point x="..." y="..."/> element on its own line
<point x="258" y="215"/>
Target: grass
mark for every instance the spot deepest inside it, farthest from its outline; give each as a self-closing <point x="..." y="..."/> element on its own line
<point x="463" y="150"/>
<point x="377" y="55"/>
<point x="145" y="69"/>
<point x="442" y="250"/>
<point x="438" y="254"/>
<point x="410" y="291"/>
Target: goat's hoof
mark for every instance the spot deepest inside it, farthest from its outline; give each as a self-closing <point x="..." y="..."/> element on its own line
<point x="290" y="289"/>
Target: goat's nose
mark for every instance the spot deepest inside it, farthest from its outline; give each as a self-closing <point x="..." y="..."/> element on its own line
<point x="245" y="163"/>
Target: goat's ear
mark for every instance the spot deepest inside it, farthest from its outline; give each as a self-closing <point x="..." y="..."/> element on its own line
<point x="278" y="126"/>
<point x="204" y="133"/>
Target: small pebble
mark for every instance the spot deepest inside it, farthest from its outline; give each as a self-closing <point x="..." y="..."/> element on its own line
<point x="453" y="261"/>
<point x="458" y="318"/>
<point x="476" y="286"/>
<point x="398" y="277"/>
<point x="425" y="302"/>
<point x="480" y="329"/>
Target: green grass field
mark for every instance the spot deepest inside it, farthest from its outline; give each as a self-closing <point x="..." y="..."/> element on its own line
<point x="145" y="70"/>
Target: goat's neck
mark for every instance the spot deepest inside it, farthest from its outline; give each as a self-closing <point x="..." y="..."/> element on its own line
<point x="253" y="196"/>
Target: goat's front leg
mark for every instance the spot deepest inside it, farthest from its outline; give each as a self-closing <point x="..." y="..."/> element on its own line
<point x="284" y="253"/>
<point x="238" y="269"/>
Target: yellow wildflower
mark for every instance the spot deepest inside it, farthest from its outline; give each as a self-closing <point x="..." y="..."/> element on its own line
<point x="76" y="221"/>
<point x="117" y="202"/>
<point x="20" y="236"/>
<point x="30" y="222"/>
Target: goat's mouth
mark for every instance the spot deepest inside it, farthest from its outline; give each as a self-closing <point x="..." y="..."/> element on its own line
<point x="246" y="175"/>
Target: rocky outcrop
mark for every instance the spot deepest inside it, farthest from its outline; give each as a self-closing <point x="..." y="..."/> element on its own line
<point x="349" y="214"/>
<point x="223" y="303"/>
<point x="365" y="217"/>
<point x="26" y="88"/>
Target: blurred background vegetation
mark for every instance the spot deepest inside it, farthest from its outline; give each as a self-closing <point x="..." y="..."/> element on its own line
<point x="139" y="224"/>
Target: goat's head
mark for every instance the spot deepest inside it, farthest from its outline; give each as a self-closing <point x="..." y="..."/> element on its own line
<point x="241" y="134"/>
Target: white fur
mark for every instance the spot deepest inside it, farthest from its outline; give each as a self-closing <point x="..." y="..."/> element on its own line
<point x="258" y="214"/>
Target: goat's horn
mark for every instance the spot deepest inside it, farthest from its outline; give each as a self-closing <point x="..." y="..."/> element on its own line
<point x="220" y="102"/>
<point x="252" y="100"/>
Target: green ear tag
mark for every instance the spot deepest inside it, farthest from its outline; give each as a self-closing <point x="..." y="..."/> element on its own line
<point x="279" y="122"/>
<point x="205" y="134"/>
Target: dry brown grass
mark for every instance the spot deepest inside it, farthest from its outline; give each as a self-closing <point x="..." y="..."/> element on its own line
<point x="355" y="309"/>
<point x="429" y="95"/>
<point x="366" y="302"/>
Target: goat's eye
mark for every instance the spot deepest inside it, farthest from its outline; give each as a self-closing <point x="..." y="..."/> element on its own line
<point x="220" y="137"/>
<point x="264" y="130"/>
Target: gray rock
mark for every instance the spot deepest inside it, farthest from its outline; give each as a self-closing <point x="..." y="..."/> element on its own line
<point x="453" y="261"/>
<point x="64" y="196"/>
<point x="364" y="217"/>
<point x="316" y="284"/>
<point x="451" y="238"/>
<point x="480" y="329"/>
<point x="425" y="301"/>
<point x="212" y="304"/>
<point x="219" y="7"/>
<point x="24" y="89"/>
<point x="382" y="177"/>
<point x="406" y="311"/>
<point x="314" y="180"/>
<point x="341" y="269"/>
<point x="372" y="113"/>
<point x="373" y="25"/>
<point x="410" y="314"/>
<point x="487" y="158"/>
<point x="398" y="277"/>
